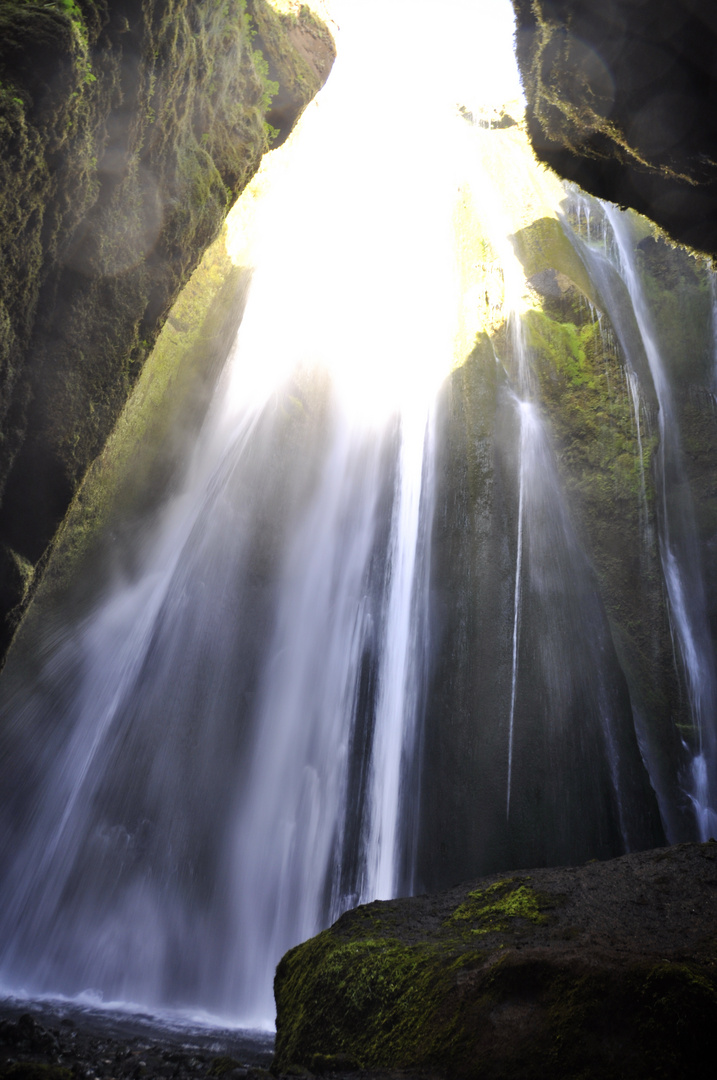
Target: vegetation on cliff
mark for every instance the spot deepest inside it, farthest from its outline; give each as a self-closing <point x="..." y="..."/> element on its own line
<point x="598" y="405"/>
<point x="127" y="130"/>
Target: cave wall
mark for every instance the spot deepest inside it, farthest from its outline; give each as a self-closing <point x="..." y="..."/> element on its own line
<point x="622" y="99"/>
<point x="127" y="130"/>
<point x="584" y="348"/>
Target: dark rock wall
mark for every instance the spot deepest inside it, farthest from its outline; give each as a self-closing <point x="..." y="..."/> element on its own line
<point x="570" y="655"/>
<point x="604" y="620"/>
<point x="127" y="129"/>
<point x="622" y="99"/>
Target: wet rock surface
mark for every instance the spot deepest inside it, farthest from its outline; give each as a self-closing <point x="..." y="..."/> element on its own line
<point x="47" y="1041"/>
<point x="603" y="970"/>
<point x="127" y="130"/>
<point x="621" y="99"/>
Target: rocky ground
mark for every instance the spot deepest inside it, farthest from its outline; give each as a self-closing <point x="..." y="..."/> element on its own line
<point x="47" y="1041"/>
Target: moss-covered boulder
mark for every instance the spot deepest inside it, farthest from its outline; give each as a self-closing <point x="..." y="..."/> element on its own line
<point x="602" y="970"/>
<point x="127" y="129"/>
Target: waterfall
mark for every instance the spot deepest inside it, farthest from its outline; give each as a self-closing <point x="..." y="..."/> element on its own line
<point x="524" y="452"/>
<point x="300" y="852"/>
<point x="377" y="636"/>
<point x="679" y="553"/>
<point x="226" y="750"/>
<point x="554" y="581"/>
<point x="612" y="265"/>
<point x="634" y="391"/>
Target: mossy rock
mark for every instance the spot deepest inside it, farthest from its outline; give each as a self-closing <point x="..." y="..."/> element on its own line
<point x="543" y="245"/>
<point x="126" y="133"/>
<point x="603" y="970"/>
<point x="147" y="450"/>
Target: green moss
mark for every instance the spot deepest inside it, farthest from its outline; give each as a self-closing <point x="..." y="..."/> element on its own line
<point x="121" y="154"/>
<point x="491" y="908"/>
<point x="583" y="386"/>
<point x="381" y="1004"/>
<point x="564" y="345"/>
<point x="292" y="54"/>
<point x="543" y="245"/>
<point x="375" y="1001"/>
<point x="33" y="132"/>
<point x="570" y="103"/>
<point x="26" y="572"/>
<point x="220" y="1066"/>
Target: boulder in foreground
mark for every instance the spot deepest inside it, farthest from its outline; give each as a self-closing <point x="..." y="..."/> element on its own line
<point x="604" y="970"/>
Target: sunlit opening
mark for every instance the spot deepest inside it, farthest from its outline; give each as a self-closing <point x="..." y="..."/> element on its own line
<point x="357" y="227"/>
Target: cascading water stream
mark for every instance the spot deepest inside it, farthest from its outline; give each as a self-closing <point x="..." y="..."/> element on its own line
<point x="516" y="603"/>
<point x="395" y="747"/>
<point x="633" y="387"/>
<point x="553" y="577"/>
<point x="228" y="746"/>
<point x="526" y="414"/>
<point x="356" y="574"/>
<point x="679" y="552"/>
<point x="612" y="267"/>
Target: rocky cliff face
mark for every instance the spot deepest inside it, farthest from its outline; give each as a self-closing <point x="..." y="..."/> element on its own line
<point x="549" y="618"/>
<point x="127" y="129"/>
<point x="622" y="99"/>
<point x="568" y="690"/>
